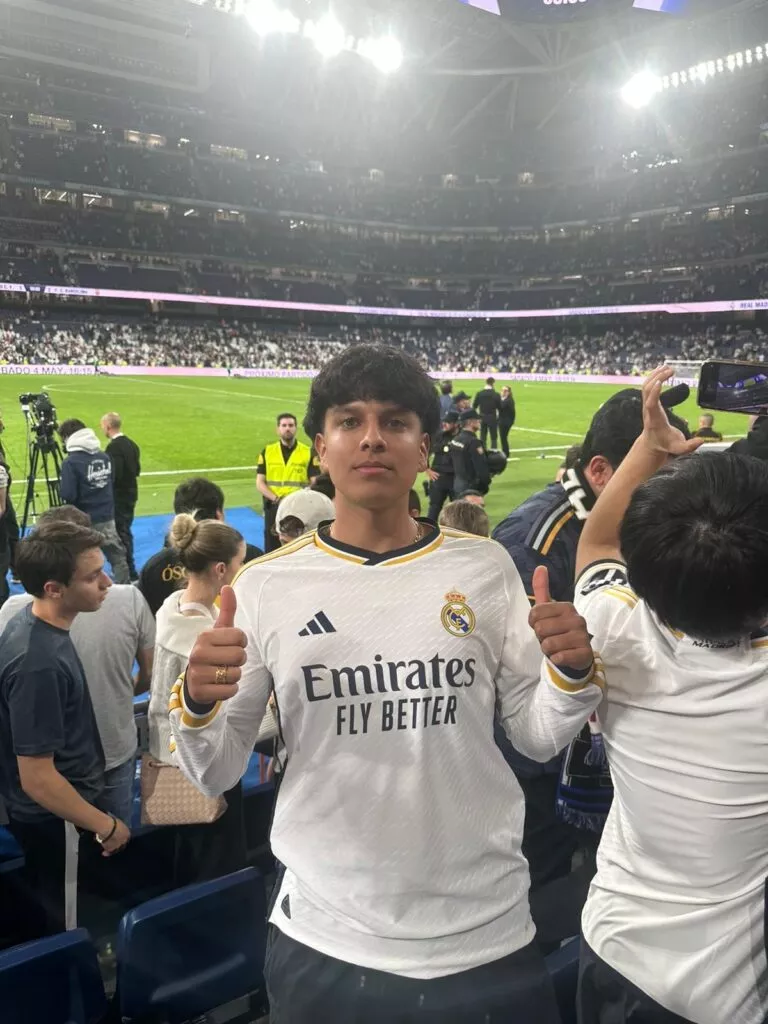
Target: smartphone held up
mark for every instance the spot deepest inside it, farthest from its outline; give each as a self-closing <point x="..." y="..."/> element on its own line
<point x="733" y="386"/>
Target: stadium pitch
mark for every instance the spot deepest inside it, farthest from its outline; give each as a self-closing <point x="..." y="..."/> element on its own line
<point x="216" y="427"/>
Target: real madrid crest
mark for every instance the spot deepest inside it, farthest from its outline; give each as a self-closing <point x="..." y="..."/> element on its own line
<point x="457" y="617"/>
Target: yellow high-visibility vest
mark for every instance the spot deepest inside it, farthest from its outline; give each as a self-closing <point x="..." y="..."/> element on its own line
<point x="285" y="477"/>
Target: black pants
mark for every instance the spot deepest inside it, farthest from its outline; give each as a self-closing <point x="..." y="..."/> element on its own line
<point x="41" y="881"/>
<point x="271" y="540"/>
<point x="305" y="987"/>
<point x="605" y="997"/>
<point x="488" y="424"/>
<point x="504" y="429"/>
<point x="123" y="522"/>
<point x="440" y="491"/>
<point x="205" y="852"/>
<point x="558" y="893"/>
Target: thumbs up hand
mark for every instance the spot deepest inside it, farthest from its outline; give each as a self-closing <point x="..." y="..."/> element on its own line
<point x="560" y="630"/>
<point x="214" y="664"/>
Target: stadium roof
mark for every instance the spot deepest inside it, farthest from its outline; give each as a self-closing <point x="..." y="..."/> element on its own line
<point x="470" y="82"/>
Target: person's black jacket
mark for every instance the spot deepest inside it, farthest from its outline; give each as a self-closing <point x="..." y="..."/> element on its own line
<point x="126" y="469"/>
<point x="755" y="443"/>
<point x="470" y="466"/>
<point x="442" y="462"/>
<point x="487" y="403"/>
<point x="9" y="526"/>
<point x="507" y="411"/>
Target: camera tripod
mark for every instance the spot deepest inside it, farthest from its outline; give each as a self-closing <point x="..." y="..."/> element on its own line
<point x="44" y="451"/>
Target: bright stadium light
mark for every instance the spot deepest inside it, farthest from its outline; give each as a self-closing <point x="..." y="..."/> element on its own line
<point x="266" y="18"/>
<point x="328" y="36"/>
<point x="385" y="53"/>
<point x="640" y="89"/>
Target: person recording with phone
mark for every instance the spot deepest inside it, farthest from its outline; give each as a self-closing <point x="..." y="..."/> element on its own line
<point x="671" y="581"/>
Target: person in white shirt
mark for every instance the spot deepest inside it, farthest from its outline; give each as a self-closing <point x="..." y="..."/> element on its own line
<point x="390" y="645"/>
<point x="211" y="553"/>
<point x="674" y="588"/>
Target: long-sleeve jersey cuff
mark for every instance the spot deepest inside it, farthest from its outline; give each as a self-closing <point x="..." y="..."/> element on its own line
<point x="571" y="682"/>
<point x="193" y="714"/>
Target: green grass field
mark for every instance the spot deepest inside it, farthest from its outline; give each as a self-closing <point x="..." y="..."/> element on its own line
<point x="217" y="426"/>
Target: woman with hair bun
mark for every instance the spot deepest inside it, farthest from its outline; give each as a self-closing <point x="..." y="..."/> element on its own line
<point x="211" y="553"/>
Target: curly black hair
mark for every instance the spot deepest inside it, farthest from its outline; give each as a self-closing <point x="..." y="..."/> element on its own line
<point x="373" y="373"/>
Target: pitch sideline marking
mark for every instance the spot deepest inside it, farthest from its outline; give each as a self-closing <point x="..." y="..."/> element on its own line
<point x="203" y="390"/>
<point x="552" y="433"/>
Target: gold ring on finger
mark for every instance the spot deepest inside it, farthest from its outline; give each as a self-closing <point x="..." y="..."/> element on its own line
<point x="221" y="675"/>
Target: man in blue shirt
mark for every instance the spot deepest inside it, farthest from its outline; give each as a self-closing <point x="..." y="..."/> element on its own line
<point x="87" y="483"/>
<point x="51" y="759"/>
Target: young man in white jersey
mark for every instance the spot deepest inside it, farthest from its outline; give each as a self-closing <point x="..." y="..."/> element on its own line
<point x="404" y="894"/>
<point x="674" y="587"/>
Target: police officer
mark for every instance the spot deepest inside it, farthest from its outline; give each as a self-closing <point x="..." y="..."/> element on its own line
<point x="470" y="466"/>
<point x="461" y="401"/>
<point x="441" y="471"/>
<point x="283" y="467"/>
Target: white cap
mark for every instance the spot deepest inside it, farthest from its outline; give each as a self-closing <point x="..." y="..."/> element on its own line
<point x="308" y="506"/>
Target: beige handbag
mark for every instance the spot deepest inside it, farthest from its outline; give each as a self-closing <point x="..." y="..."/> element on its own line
<point x="168" y="798"/>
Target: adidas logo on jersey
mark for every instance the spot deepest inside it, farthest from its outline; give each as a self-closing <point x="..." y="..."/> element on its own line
<point x="319" y="624"/>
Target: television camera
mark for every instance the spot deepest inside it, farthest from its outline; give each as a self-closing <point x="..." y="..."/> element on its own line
<point x="43" y="449"/>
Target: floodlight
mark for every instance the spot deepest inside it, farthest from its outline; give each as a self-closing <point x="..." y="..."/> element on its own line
<point x="266" y="18"/>
<point x="385" y="53"/>
<point x="328" y="36"/>
<point x="640" y="89"/>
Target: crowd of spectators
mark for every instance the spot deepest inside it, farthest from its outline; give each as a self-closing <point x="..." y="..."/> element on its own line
<point x="554" y="348"/>
<point x="184" y="171"/>
<point x="150" y="257"/>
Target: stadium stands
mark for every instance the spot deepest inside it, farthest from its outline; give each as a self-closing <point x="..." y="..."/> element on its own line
<point x="618" y="349"/>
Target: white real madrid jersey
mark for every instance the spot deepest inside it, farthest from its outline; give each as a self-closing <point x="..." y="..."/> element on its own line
<point x="678" y="903"/>
<point x="398" y="820"/>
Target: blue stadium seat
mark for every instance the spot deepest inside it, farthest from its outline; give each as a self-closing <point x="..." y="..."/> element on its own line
<point x="255" y="779"/>
<point x="141" y="704"/>
<point x="184" y="954"/>
<point x="54" y="980"/>
<point x="563" y="966"/>
<point x="11" y="856"/>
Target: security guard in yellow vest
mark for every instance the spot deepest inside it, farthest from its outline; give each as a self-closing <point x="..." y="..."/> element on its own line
<point x="283" y="467"/>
